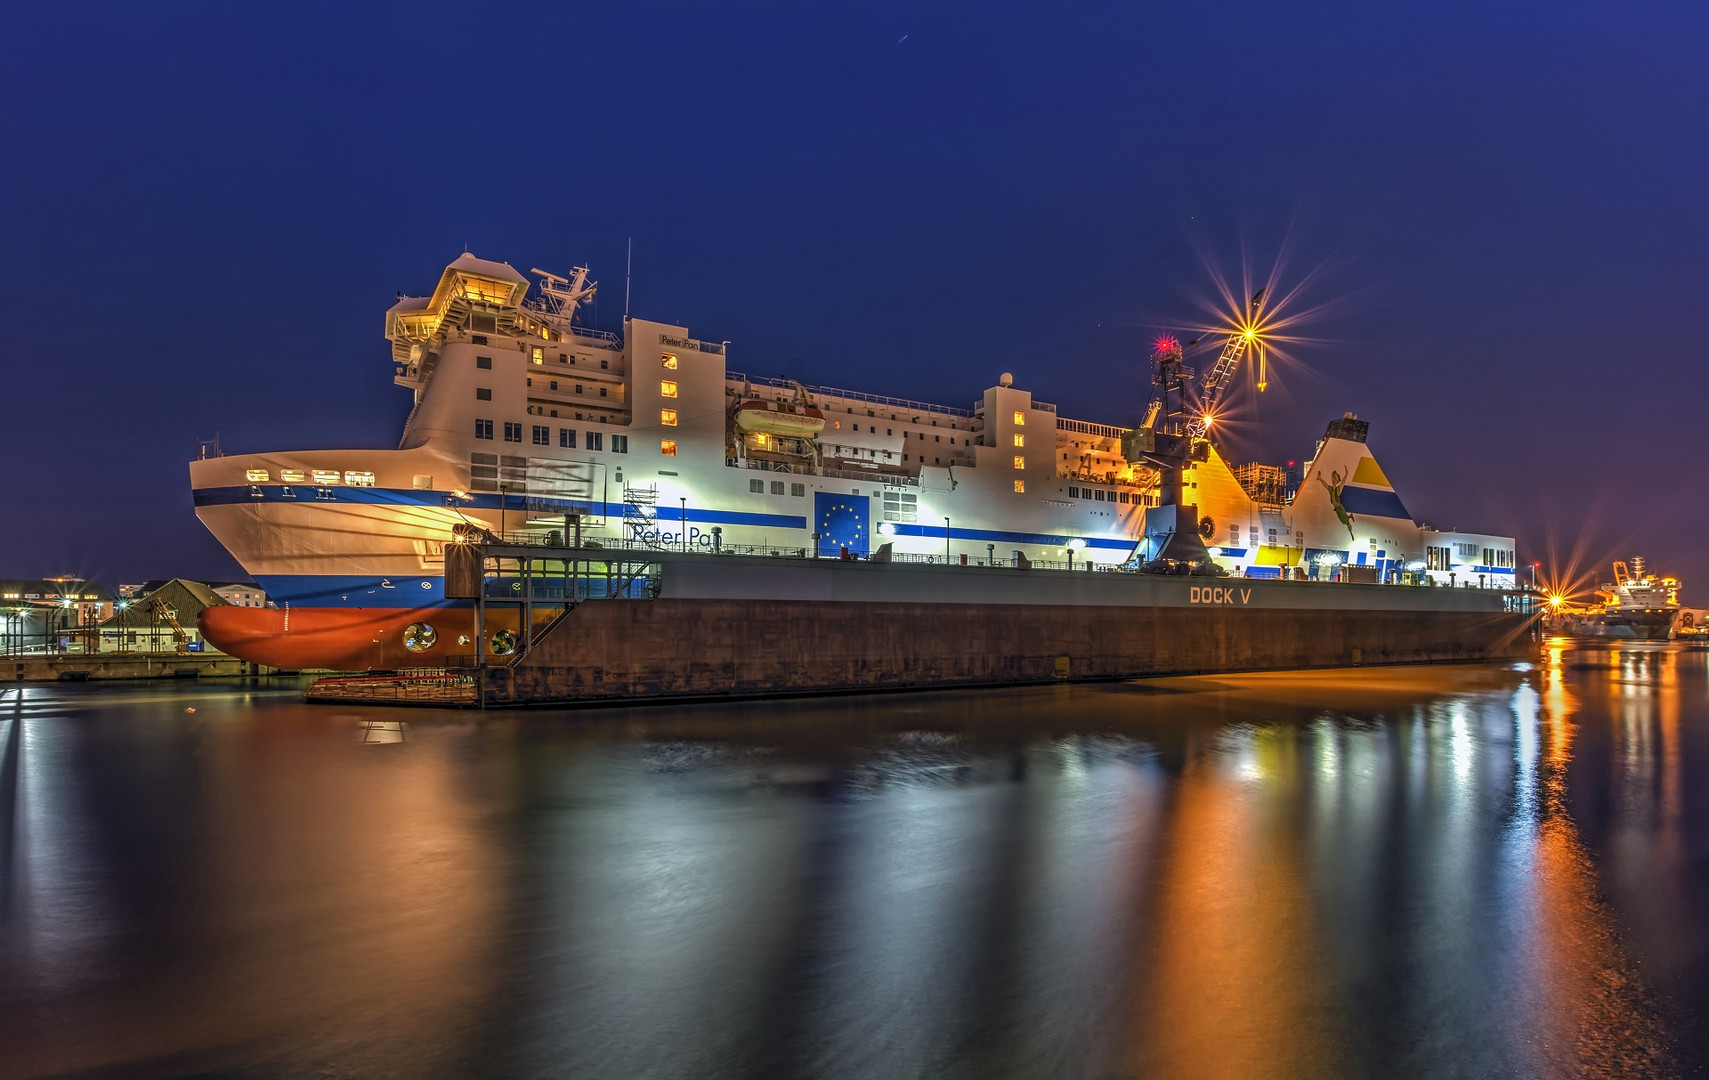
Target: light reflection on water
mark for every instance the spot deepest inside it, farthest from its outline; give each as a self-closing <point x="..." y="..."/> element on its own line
<point x="1404" y="872"/>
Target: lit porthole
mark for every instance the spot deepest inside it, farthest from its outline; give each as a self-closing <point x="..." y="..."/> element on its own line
<point x="503" y="643"/>
<point x="462" y="639"/>
<point x="419" y="637"/>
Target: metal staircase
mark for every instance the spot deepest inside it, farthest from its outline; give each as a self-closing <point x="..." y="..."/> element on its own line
<point x="641" y="511"/>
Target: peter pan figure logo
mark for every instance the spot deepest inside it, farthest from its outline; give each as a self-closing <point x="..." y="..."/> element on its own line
<point x="1334" y="490"/>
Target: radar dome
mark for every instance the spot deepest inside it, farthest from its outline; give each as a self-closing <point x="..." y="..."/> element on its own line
<point x="1006" y="380"/>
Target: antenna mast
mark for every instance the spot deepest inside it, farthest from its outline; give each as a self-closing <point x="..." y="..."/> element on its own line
<point x="628" y="270"/>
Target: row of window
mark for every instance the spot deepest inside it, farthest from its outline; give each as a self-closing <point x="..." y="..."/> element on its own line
<point x="1100" y="495"/>
<point x="836" y="425"/>
<point x="757" y="487"/>
<point x="537" y="355"/>
<point x="350" y="478"/>
<point x="541" y="435"/>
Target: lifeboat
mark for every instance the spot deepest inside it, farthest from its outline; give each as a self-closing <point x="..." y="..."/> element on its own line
<point x="780" y="418"/>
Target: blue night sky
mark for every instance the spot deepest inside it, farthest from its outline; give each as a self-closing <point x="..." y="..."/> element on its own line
<point x="205" y="211"/>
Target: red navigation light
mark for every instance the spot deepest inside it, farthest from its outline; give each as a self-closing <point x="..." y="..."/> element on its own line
<point x="1165" y="344"/>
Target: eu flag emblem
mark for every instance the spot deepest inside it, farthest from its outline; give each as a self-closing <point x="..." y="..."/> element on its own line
<point x="841" y="521"/>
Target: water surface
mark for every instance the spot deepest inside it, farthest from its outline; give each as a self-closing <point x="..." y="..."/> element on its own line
<point x="1447" y="871"/>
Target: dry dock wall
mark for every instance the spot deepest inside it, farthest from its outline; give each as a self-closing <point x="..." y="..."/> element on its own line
<point x="1114" y="627"/>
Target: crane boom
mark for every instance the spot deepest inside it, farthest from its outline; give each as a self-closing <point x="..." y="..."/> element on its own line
<point x="1244" y="339"/>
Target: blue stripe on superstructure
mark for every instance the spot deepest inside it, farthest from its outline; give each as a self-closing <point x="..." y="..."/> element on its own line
<point x="1374" y="502"/>
<point x="306" y="493"/>
<point x="1117" y="543"/>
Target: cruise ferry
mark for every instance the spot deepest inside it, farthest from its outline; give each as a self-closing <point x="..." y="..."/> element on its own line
<point x="527" y="423"/>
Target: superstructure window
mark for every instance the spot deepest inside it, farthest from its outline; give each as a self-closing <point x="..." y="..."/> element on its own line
<point x="667" y="388"/>
<point x="512" y="431"/>
<point x="483" y="429"/>
<point x="1020" y="487"/>
<point x="667" y="447"/>
<point x="359" y="479"/>
<point x="257" y="476"/>
<point x="602" y="391"/>
<point x="1020" y="462"/>
<point x="798" y="490"/>
<point x="620" y="444"/>
<point x="326" y="476"/>
<point x="756" y="487"/>
<point x="537" y="355"/>
<point x="292" y="476"/>
<point x="483" y="393"/>
<point x="567" y="438"/>
<point x="542" y="435"/>
<point x="669" y="361"/>
<point x="595" y="440"/>
<point x="777" y="487"/>
<point x="1020" y="440"/>
<point x="1020" y="418"/>
<point x="484" y="362"/>
<point x="667" y="417"/>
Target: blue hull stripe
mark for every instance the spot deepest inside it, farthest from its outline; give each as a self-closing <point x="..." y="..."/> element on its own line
<point x="356" y="591"/>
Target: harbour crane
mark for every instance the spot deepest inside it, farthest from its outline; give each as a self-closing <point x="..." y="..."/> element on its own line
<point x="1172" y="436"/>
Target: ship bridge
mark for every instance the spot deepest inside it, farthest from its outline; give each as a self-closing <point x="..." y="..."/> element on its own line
<point x="473" y="294"/>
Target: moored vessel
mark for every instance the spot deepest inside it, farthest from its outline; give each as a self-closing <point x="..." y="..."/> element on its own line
<point x="530" y="428"/>
<point x="1636" y="604"/>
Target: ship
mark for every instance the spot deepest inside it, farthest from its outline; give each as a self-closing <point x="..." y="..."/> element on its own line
<point x="1636" y="604"/>
<point x="528" y="426"/>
